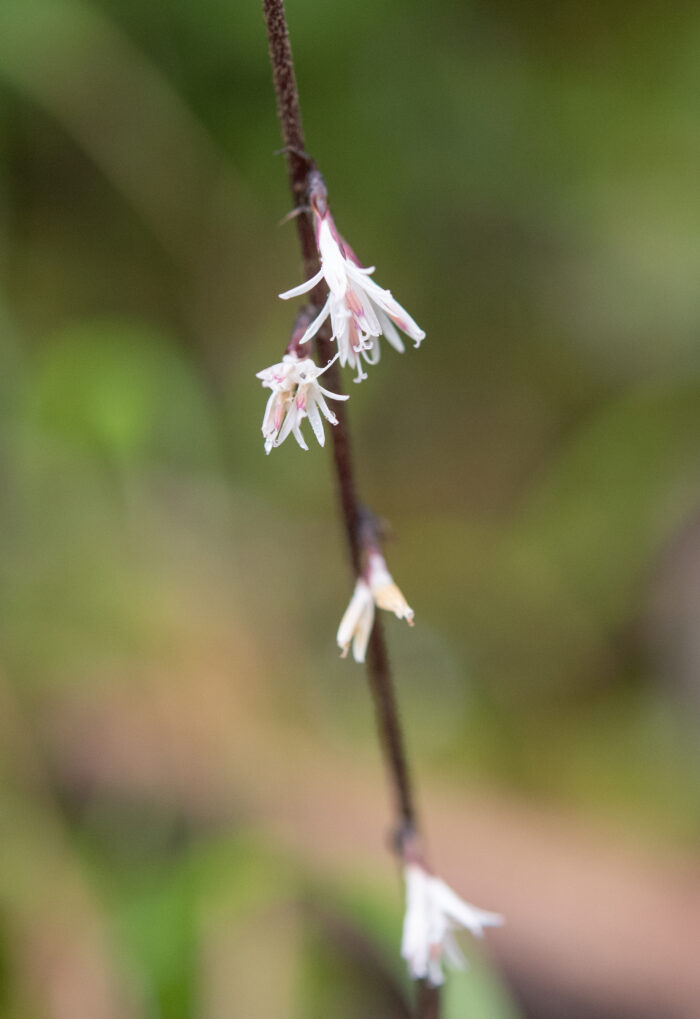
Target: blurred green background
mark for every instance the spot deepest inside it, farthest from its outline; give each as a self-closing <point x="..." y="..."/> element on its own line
<point x="193" y="812"/>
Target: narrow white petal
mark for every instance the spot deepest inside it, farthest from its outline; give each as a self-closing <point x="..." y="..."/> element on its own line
<point x="317" y="323"/>
<point x="303" y="288"/>
<point x="361" y="597"/>
<point x="327" y="412"/>
<point x="288" y="424"/>
<point x="320" y="371"/>
<point x="388" y="304"/>
<point x="333" y="396"/>
<point x="315" y="420"/>
<point x="344" y="331"/>
<point x="296" y="431"/>
<point x="462" y="912"/>
<point x="268" y="416"/>
<point x="362" y="633"/>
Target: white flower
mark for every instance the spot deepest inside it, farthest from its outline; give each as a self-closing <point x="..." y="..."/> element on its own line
<point x="356" y="624"/>
<point x="377" y="587"/>
<point x="433" y="912"/>
<point x="360" y="310"/>
<point x="296" y="394"/>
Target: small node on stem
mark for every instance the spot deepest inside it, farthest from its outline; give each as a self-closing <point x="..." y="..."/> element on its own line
<point x="295" y="152"/>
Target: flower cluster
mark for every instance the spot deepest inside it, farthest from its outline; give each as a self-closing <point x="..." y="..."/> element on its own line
<point x="433" y="912"/>
<point x="375" y="587"/>
<point x="296" y="394"/>
<point x="359" y="309"/>
<point x="360" y="312"/>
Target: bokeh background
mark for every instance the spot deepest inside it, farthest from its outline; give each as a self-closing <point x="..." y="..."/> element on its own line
<point x="193" y="810"/>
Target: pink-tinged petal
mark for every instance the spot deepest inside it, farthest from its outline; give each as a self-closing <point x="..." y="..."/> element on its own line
<point x="328" y="223"/>
<point x="278" y="417"/>
<point x="391" y="333"/>
<point x="346" y="336"/>
<point x="371" y="316"/>
<point x="411" y="328"/>
<point x="388" y="304"/>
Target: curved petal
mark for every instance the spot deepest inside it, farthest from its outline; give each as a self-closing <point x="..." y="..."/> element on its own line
<point x="303" y="288"/>
<point x="315" y="421"/>
<point x="317" y="322"/>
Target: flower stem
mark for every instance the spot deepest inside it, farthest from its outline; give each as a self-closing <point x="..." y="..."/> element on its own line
<point x="300" y="167"/>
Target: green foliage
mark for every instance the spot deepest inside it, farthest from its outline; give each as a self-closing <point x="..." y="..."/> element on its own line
<point x="118" y="389"/>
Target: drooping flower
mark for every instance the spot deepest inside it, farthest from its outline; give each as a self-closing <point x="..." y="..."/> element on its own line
<point x="360" y="310"/>
<point x="375" y="587"/>
<point x="296" y="394"/>
<point x="433" y="913"/>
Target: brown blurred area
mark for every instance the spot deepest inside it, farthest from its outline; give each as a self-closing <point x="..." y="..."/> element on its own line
<point x="193" y="811"/>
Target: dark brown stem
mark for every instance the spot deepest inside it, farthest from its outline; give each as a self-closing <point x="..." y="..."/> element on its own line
<point x="300" y="167"/>
<point x="428" y="1001"/>
<point x="379" y="675"/>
